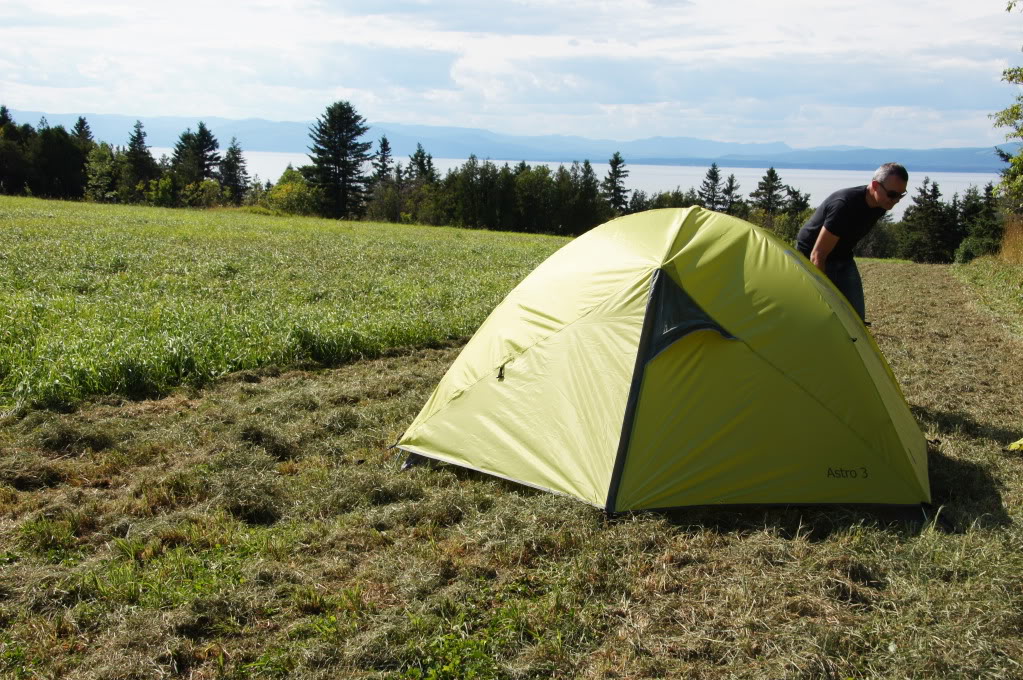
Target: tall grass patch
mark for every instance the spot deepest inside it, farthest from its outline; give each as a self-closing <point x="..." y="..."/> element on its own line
<point x="1012" y="241"/>
<point x="133" y="301"/>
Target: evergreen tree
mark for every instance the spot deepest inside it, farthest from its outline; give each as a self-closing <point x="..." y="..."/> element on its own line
<point x="710" y="191"/>
<point x="613" y="186"/>
<point x="796" y="202"/>
<point x="338" y="154"/>
<point x="930" y="232"/>
<point x="420" y="168"/>
<point x="195" y="156"/>
<point x="234" y="177"/>
<point x="591" y="209"/>
<point x="732" y="201"/>
<point x="83" y="133"/>
<point x="795" y="212"/>
<point x="382" y="161"/>
<point x="770" y="194"/>
<point x="535" y="197"/>
<point x="638" y="202"/>
<point x="138" y="168"/>
<point x="979" y="219"/>
<point x="15" y="164"/>
<point x="57" y="165"/>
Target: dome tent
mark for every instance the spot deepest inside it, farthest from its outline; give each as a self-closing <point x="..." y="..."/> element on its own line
<point x="673" y="358"/>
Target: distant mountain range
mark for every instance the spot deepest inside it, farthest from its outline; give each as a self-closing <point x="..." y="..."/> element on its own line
<point x="453" y="142"/>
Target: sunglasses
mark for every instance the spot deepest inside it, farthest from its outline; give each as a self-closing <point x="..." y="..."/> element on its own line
<point x="892" y="195"/>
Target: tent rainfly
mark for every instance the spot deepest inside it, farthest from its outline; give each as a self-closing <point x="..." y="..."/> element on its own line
<point x="674" y="358"/>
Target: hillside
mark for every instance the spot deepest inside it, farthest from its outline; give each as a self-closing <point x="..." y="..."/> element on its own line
<point x="255" y="525"/>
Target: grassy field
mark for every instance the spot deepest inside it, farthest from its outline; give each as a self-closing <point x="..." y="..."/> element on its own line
<point x="134" y="301"/>
<point x="258" y="527"/>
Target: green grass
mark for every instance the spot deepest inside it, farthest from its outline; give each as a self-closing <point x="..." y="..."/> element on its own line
<point x="258" y="527"/>
<point x="134" y="301"/>
<point x="998" y="284"/>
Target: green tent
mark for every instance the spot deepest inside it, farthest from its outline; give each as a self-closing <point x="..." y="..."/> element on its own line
<point x="672" y="358"/>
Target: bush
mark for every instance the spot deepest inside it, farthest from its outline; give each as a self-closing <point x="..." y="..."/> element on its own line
<point x="975" y="246"/>
<point x="204" y="194"/>
<point x="294" y="198"/>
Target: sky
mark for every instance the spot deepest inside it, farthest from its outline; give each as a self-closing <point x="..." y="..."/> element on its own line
<point x="804" y="72"/>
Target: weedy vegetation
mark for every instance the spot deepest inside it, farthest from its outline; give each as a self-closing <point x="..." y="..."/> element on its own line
<point x="256" y="525"/>
<point x="133" y="301"/>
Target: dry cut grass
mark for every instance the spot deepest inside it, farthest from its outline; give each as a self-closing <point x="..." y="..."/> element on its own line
<point x="259" y="528"/>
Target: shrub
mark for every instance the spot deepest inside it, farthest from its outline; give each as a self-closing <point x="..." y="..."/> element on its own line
<point x="294" y="198"/>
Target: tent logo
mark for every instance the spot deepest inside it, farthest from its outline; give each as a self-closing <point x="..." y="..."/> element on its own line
<point x="843" y="473"/>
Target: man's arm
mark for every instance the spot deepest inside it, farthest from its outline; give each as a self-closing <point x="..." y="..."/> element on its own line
<point x="826" y="242"/>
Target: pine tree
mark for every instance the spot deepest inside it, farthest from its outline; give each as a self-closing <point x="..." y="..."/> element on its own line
<point x="382" y="161"/>
<point x="979" y="219"/>
<point x="710" y="191"/>
<point x="770" y="193"/>
<point x="732" y="202"/>
<point x="83" y="133"/>
<point x="15" y="164"/>
<point x="234" y="176"/>
<point x="195" y="156"/>
<point x="591" y="208"/>
<point x="57" y="164"/>
<point x="139" y="167"/>
<point x="420" y="167"/>
<point x="338" y="154"/>
<point x="930" y="232"/>
<point x="613" y="186"/>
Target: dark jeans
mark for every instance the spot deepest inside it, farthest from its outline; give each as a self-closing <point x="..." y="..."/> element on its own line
<point x="846" y="277"/>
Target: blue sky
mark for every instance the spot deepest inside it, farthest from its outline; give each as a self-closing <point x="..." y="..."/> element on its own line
<point x="805" y="72"/>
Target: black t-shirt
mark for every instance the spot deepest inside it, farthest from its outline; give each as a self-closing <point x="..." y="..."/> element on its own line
<point x="846" y="215"/>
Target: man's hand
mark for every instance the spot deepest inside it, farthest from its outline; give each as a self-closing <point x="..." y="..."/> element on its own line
<point x="826" y="242"/>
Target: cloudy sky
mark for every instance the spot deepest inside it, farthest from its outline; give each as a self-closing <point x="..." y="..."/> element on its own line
<point x="805" y="72"/>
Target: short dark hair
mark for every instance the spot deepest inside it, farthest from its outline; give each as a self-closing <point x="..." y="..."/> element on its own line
<point x="889" y="169"/>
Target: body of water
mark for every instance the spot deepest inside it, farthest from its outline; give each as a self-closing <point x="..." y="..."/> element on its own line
<point x="269" y="165"/>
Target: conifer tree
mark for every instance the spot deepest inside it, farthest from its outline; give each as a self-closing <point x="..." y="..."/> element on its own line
<point x="710" y="191"/>
<point x="382" y="161"/>
<point x="195" y="156"/>
<point x="930" y="232"/>
<point x="770" y="193"/>
<point x="732" y="201"/>
<point x="420" y="167"/>
<point x="981" y="222"/>
<point x="15" y="164"/>
<point x="234" y="176"/>
<point x="338" y="154"/>
<point x="57" y="164"/>
<point x="139" y="166"/>
<point x="613" y="186"/>
<point x="591" y="208"/>
<point x="83" y="133"/>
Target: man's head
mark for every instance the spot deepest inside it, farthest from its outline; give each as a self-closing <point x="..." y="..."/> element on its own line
<point x="888" y="186"/>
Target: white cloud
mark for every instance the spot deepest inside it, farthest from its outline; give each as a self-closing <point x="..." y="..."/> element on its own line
<point x="798" y="71"/>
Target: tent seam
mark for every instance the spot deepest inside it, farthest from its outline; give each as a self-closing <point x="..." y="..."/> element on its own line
<point x="648" y="273"/>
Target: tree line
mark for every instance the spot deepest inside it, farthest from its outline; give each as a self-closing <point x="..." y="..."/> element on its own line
<point x="52" y="162"/>
<point x="347" y="179"/>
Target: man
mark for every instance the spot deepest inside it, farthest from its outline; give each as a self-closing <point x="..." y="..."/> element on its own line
<point x="842" y="220"/>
